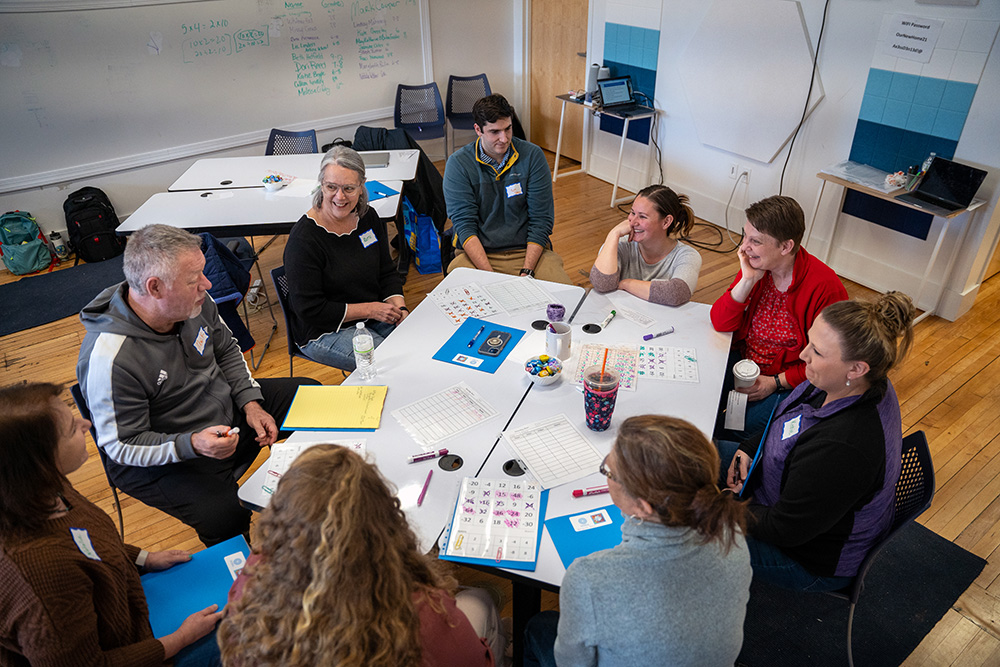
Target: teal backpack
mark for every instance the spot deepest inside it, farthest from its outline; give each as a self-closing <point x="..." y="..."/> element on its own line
<point x="23" y="245"/>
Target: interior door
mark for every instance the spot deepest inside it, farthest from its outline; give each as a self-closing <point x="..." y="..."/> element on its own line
<point x="558" y="35"/>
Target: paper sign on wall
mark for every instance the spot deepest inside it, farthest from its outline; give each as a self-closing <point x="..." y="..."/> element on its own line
<point x="911" y="37"/>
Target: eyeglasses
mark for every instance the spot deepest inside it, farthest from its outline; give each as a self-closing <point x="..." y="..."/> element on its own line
<point x="333" y="188"/>
<point x="605" y="470"/>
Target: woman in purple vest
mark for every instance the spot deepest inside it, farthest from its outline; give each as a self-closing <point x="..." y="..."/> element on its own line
<point x="822" y="477"/>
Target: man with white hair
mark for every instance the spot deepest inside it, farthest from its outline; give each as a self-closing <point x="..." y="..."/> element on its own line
<point x="172" y="400"/>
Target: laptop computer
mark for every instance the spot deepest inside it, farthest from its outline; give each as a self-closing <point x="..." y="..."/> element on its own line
<point x="617" y="96"/>
<point x="375" y="159"/>
<point x="946" y="187"/>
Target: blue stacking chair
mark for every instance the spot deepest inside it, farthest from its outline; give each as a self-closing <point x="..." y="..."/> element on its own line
<point x="283" y="142"/>
<point x="420" y="112"/>
<point x="281" y="289"/>
<point x="463" y="91"/>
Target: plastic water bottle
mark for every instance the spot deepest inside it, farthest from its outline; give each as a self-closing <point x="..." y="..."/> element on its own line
<point x="927" y="163"/>
<point x="364" y="352"/>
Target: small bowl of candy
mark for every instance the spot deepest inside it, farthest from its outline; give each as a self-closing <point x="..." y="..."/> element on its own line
<point x="543" y="369"/>
<point x="273" y="183"/>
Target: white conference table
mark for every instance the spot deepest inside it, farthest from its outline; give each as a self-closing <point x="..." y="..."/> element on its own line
<point x="249" y="171"/>
<point x="405" y="365"/>
<point x="239" y="211"/>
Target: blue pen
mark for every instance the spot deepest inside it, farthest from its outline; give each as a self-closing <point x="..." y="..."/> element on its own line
<point x="472" y="342"/>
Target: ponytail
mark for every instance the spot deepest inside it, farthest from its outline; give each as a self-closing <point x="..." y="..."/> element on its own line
<point x="667" y="202"/>
<point x="670" y="464"/>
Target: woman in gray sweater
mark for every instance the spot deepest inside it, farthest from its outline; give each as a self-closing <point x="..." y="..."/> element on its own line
<point x="675" y="591"/>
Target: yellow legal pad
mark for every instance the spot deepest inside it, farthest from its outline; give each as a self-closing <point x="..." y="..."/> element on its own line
<point x="318" y="408"/>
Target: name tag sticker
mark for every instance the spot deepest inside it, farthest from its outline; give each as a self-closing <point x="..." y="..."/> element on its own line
<point x="368" y="238"/>
<point x="791" y="427"/>
<point x="200" y="340"/>
<point x="514" y="189"/>
<point x="465" y="359"/>
<point x="83" y="543"/>
<point x="594" y="519"/>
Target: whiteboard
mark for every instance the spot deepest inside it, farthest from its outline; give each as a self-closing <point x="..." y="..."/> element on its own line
<point x="96" y="91"/>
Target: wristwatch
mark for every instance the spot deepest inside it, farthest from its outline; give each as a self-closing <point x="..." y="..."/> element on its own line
<point x="777" y="383"/>
<point x="527" y="272"/>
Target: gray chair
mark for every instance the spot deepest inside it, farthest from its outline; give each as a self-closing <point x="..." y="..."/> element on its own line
<point x="463" y="92"/>
<point x="914" y="492"/>
<point x="81" y="405"/>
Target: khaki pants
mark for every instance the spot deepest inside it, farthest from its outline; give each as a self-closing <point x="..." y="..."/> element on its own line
<point x="549" y="266"/>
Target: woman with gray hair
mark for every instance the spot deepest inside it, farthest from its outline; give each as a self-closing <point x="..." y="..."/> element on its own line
<point x="339" y="268"/>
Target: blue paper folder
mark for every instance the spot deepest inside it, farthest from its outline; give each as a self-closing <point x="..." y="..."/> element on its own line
<point x="175" y="594"/>
<point x="457" y="351"/>
<point x="571" y="544"/>
<point x="377" y="190"/>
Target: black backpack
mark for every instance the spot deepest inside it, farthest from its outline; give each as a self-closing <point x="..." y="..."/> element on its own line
<point x="91" y="222"/>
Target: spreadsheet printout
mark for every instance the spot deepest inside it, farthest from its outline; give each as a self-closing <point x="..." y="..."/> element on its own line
<point x="554" y="451"/>
<point x="444" y="414"/>
<point x="519" y="294"/>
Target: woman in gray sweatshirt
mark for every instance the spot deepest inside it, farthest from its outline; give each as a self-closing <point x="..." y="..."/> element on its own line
<point x="675" y="591"/>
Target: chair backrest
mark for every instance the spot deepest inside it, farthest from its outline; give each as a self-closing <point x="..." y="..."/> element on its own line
<point x="914" y="493"/>
<point x="281" y="289"/>
<point x="418" y="106"/>
<point x="463" y="92"/>
<point x="283" y="142"/>
<point x="81" y="405"/>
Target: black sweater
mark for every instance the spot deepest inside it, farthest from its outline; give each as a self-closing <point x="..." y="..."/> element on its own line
<point x="326" y="272"/>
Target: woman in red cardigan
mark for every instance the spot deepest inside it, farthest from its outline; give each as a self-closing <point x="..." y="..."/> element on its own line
<point x="771" y="304"/>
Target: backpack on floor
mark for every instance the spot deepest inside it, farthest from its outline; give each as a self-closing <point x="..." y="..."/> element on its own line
<point x="91" y="222"/>
<point x="22" y="244"/>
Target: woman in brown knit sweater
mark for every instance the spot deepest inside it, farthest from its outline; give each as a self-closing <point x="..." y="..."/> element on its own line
<point x="69" y="588"/>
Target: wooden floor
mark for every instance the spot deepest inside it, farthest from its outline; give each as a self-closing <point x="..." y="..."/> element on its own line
<point x="949" y="387"/>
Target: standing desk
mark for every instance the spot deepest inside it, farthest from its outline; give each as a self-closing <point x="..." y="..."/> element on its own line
<point x="406" y="367"/>
<point x="647" y="112"/>
<point x="891" y="197"/>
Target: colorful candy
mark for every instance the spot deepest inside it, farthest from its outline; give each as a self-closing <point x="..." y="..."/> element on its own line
<point x="543" y="366"/>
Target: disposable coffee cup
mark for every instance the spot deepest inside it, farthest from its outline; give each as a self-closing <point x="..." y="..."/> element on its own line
<point x="558" y="338"/>
<point x="600" y="390"/>
<point x="745" y="373"/>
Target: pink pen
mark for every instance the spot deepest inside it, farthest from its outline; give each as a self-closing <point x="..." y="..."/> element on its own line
<point x="592" y="491"/>
<point x="423" y="491"/>
<point x="426" y="456"/>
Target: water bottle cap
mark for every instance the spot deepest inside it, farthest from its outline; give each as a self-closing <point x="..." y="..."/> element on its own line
<point x="360" y="325"/>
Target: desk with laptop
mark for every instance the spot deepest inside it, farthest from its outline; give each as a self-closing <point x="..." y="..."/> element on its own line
<point x="615" y="97"/>
<point x="947" y="190"/>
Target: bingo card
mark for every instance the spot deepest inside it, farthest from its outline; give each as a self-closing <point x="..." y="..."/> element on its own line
<point x="622" y="359"/>
<point x="284" y="453"/>
<point x="459" y="303"/>
<point x="658" y="362"/>
<point x="496" y="521"/>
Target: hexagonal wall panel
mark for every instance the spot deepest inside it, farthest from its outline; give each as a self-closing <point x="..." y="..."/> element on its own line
<point x="746" y="74"/>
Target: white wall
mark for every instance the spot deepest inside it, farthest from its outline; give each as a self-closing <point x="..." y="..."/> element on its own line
<point x="866" y="253"/>
<point x="466" y="38"/>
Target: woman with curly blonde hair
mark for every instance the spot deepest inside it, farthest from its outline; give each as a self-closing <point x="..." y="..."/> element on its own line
<point x="336" y="578"/>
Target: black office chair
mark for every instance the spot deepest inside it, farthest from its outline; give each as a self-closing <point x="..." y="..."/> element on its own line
<point x="81" y="405"/>
<point x="419" y="111"/>
<point x="463" y="92"/>
<point x="914" y="492"/>
<point x="281" y="289"/>
<point x="284" y="142"/>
